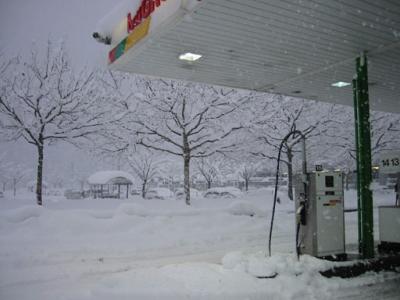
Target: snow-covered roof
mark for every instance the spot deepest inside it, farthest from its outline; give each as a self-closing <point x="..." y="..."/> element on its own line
<point x="111" y="177"/>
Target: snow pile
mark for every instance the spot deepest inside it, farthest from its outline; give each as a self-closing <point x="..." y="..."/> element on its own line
<point x="259" y="265"/>
<point x="162" y="249"/>
<point x="236" y="280"/>
<point x="245" y="208"/>
<point x="22" y="214"/>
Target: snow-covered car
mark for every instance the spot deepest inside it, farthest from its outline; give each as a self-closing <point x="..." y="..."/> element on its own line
<point x="53" y="192"/>
<point x="180" y="193"/>
<point x="135" y="192"/>
<point x="159" y="193"/>
<point x="76" y="194"/>
<point x="72" y="194"/>
<point x="222" y="192"/>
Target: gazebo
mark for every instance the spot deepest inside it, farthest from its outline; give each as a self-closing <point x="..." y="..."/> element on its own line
<point x="107" y="184"/>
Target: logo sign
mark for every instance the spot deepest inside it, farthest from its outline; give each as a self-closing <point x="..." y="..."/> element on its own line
<point x="145" y="9"/>
<point x="131" y="40"/>
<point x="389" y="162"/>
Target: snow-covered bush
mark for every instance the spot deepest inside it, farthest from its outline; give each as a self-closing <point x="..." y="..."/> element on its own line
<point x="244" y="208"/>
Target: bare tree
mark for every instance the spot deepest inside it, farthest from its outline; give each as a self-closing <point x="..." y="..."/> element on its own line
<point x="247" y="171"/>
<point x="17" y="172"/>
<point x="208" y="168"/>
<point x="384" y="132"/>
<point x="189" y="121"/>
<point x="279" y="117"/>
<point x="145" y="165"/>
<point x="340" y="138"/>
<point x="44" y="101"/>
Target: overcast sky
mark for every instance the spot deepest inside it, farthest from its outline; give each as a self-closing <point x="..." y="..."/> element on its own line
<point x="23" y="22"/>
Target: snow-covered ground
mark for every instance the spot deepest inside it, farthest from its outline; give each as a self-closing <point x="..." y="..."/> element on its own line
<point x="162" y="249"/>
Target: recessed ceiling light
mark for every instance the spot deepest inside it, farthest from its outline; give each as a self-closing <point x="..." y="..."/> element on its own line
<point x="189" y="56"/>
<point x="340" y="84"/>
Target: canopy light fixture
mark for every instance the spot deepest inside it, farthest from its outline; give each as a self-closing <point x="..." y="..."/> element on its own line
<point x="340" y="84"/>
<point x="189" y="56"/>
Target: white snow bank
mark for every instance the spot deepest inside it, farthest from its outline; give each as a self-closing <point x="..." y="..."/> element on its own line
<point x="258" y="264"/>
<point x="22" y="214"/>
<point x="236" y="280"/>
<point x="106" y="177"/>
<point x="131" y="249"/>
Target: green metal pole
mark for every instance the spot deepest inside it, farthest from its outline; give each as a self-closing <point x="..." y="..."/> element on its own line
<point x="364" y="172"/>
<point x="359" y="205"/>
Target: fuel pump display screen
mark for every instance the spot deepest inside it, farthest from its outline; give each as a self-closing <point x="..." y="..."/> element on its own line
<point x="329" y="182"/>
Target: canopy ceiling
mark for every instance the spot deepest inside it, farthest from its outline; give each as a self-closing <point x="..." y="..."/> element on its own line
<point x="292" y="47"/>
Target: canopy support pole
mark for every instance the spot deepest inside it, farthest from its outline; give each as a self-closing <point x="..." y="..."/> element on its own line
<point x="363" y="152"/>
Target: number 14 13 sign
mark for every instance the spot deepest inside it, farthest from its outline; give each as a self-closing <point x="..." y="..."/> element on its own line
<point x="390" y="162"/>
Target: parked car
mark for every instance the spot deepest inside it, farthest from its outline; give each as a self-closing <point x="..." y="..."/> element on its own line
<point x="180" y="193"/>
<point x="75" y="194"/>
<point x="135" y="192"/>
<point x="159" y="193"/>
<point x="222" y="192"/>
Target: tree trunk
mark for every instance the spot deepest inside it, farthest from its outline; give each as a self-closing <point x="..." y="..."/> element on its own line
<point x="208" y="184"/>
<point x="290" y="173"/>
<point x="186" y="174"/>
<point x="15" y="187"/>
<point x="144" y="189"/>
<point x="246" y="182"/>
<point x="39" y="179"/>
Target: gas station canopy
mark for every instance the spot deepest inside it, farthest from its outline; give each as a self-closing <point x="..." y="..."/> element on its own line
<point x="299" y="48"/>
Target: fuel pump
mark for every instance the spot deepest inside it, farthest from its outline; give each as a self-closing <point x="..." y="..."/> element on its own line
<point x="319" y="205"/>
<point x="320" y="221"/>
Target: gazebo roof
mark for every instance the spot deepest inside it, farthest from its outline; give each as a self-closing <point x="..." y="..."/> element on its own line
<point x="111" y="177"/>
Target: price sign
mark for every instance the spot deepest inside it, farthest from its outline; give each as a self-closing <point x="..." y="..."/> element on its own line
<point x="389" y="162"/>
